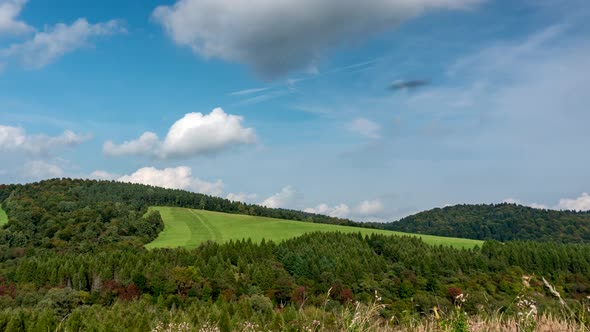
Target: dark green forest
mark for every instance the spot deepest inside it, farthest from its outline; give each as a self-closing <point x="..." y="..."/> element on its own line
<point x="255" y="279"/>
<point x="501" y="222"/>
<point x="72" y="259"/>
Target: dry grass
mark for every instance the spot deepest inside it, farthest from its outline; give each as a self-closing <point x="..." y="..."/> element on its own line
<point x="543" y="324"/>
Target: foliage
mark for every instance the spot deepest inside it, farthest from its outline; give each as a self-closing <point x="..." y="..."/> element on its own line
<point x="255" y="280"/>
<point x="501" y="222"/>
<point x="72" y="258"/>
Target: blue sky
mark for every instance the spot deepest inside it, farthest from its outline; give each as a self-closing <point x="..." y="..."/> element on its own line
<point x="295" y="103"/>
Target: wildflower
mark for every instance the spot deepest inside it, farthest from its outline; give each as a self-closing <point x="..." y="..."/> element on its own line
<point x="461" y="298"/>
<point x="377" y="297"/>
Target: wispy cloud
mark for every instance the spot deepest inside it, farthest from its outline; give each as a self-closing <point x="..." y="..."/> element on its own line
<point x="54" y="42"/>
<point x="366" y="127"/>
<point x="248" y="91"/>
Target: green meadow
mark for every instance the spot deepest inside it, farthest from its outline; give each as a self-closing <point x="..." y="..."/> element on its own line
<point x="188" y="228"/>
<point x="3" y="216"/>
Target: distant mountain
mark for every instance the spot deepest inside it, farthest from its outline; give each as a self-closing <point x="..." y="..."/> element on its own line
<point x="502" y="222"/>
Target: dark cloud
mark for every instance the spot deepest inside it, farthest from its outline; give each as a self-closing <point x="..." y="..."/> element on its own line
<point x="275" y="37"/>
<point x="406" y="85"/>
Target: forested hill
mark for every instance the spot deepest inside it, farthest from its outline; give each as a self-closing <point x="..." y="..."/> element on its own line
<point x="502" y="222"/>
<point x="69" y="212"/>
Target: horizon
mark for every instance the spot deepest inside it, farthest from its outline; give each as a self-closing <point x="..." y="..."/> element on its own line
<point x="368" y="115"/>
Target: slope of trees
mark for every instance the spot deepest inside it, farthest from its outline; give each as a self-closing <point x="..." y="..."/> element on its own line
<point x="65" y="212"/>
<point x="267" y="281"/>
<point x="501" y="222"/>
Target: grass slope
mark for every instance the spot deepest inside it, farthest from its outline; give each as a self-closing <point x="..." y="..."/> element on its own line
<point x="3" y="216"/>
<point x="189" y="228"/>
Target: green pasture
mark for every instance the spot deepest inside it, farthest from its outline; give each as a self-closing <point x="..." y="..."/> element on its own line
<point x="189" y="228"/>
<point x="3" y="216"/>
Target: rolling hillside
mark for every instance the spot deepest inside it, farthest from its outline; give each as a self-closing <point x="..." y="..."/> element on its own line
<point x="502" y="222"/>
<point x="189" y="228"/>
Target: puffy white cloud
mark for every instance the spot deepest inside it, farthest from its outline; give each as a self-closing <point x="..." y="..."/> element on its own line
<point x="41" y="169"/>
<point x="369" y="208"/>
<point x="274" y="37"/>
<point x="16" y="139"/>
<point x="55" y="41"/>
<point x="287" y="198"/>
<point x="581" y="203"/>
<point x="147" y="143"/>
<point x="174" y="178"/>
<point x="242" y="197"/>
<point x="194" y="134"/>
<point x="366" y="128"/>
<point x="9" y="11"/>
<point x="338" y="211"/>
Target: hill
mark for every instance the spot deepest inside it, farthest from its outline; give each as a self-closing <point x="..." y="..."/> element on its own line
<point x="502" y="222"/>
<point x="188" y="228"/>
<point x="70" y="213"/>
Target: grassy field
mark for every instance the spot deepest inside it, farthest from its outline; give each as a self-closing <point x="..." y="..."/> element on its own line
<point x="188" y="228"/>
<point x="3" y="216"/>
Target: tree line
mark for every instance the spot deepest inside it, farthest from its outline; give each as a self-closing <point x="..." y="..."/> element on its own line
<point x="501" y="222"/>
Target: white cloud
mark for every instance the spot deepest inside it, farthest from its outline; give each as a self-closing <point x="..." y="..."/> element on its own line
<point x="9" y="11"/>
<point x="103" y="175"/>
<point x="287" y="198"/>
<point x="242" y="197"/>
<point x="56" y="41"/>
<point x="43" y="144"/>
<point x="16" y="139"/>
<point x="11" y="138"/>
<point x="338" y="211"/>
<point x="581" y="203"/>
<point x="174" y="178"/>
<point x="192" y="135"/>
<point x="196" y="133"/>
<point x="274" y="37"/>
<point x="533" y="205"/>
<point x="369" y="208"/>
<point x="145" y="144"/>
<point x="366" y="128"/>
<point x="41" y="169"/>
